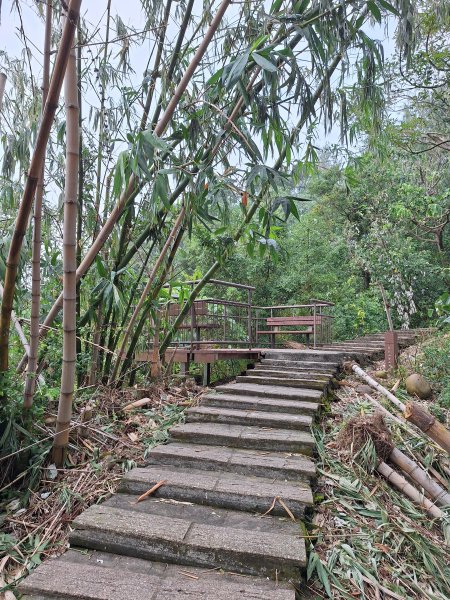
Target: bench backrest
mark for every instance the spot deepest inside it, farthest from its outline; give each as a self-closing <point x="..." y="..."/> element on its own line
<point x="200" y="309"/>
<point x="295" y="320"/>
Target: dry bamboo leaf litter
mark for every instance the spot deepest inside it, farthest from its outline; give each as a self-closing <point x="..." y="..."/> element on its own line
<point x="35" y="518"/>
<point x="372" y="541"/>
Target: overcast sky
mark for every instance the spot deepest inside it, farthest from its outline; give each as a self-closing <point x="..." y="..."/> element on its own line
<point x="93" y="11"/>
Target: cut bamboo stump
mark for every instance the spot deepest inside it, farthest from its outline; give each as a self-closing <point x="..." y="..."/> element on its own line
<point x="418" y="416"/>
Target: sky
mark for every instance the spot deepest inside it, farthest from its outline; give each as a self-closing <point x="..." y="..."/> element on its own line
<point x="93" y="12"/>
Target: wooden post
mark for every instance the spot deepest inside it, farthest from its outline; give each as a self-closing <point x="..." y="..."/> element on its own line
<point x="272" y="337"/>
<point x="206" y="374"/>
<point x="390" y="349"/>
<point x="314" y="324"/>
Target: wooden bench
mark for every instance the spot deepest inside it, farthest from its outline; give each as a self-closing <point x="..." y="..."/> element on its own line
<point x="307" y="322"/>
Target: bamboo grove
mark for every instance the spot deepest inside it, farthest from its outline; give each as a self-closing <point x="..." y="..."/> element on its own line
<point x="120" y="168"/>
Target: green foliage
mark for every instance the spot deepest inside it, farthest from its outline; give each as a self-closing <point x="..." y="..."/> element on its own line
<point x="435" y="366"/>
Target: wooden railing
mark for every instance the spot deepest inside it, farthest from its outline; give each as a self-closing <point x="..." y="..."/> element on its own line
<point x="233" y="321"/>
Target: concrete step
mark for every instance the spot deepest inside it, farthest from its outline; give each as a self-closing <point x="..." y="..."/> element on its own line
<point x="197" y="536"/>
<point x="273" y="405"/>
<point x="239" y="436"/>
<point x="276" y="465"/>
<point x="104" y="576"/>
<point x="302" y="365"/>
<point x="366" y="348"/>
<point x="263" y="370"/>
<point x="254" y="418"/>
<point x="322" y="356"/>
<point x="315" y="384"/>
<point x="296" y="367"/>
<point x="219" y="488"/>
<point x="269" y="391"/>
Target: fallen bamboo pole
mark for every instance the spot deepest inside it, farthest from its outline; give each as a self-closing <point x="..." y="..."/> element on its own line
<point x="409" y="490"/>
<point x="377" y="386"/>
<point x="421" y="477"/>
<point x="413" y="412"/>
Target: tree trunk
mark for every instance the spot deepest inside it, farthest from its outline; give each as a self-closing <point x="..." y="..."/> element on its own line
<point x="30" y="381"/>
<point x="70" y="264"/>
<point x="37" y="161"/>
<point x="146" y="290"/>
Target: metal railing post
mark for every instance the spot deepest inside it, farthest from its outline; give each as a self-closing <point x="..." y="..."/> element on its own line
<point x="249" y="317"/>
<point x="314" y="324"/>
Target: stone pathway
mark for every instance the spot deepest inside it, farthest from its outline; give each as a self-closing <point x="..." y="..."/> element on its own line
<point x="203" y="535"/>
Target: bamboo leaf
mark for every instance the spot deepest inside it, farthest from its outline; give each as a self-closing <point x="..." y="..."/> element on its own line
<point x="374" y="10"/>
<point x="264" y="63"/>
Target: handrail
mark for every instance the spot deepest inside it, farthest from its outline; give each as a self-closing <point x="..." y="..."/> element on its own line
<point x="321" y="302"/>
<point x="294" y="306"/>
<point x="239" y="286"/>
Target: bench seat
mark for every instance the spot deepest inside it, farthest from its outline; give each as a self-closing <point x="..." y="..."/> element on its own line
<point x="285" y="331"/>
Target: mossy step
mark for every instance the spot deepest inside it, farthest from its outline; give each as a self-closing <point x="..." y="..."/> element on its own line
<point x="242" y="546"/>
<point x="219" y="489"/>
<point x="105" y="576"/>
<point x="256" y="418"/>
<point x="240" y="436"/>
<point x="276" y="465"/>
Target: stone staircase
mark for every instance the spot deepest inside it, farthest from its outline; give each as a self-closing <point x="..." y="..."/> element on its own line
<point x="233" y="472"/>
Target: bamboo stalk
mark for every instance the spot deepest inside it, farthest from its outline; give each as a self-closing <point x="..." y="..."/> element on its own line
<point x="413" y="412"/>
<point x="377" y="386"/>
<point x="153" y="294"/>
<point x="30" y="380"/>
<point x="146" y="290"/>
<point x="387" y="306"/>
<point x="403" y="423"/>
<point x="420" y="476"/>
<point x="69" y="358"/>
<point x="133" y="183"/>
<point x="2" y="88"/>
<point x="421" y="418"/>
<point x="80" y="193"/>
<point x="250" y="213"/>
<point x="406" y="488"/>
<point x="36" y="163"/>
<point x="155" y="370"/>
